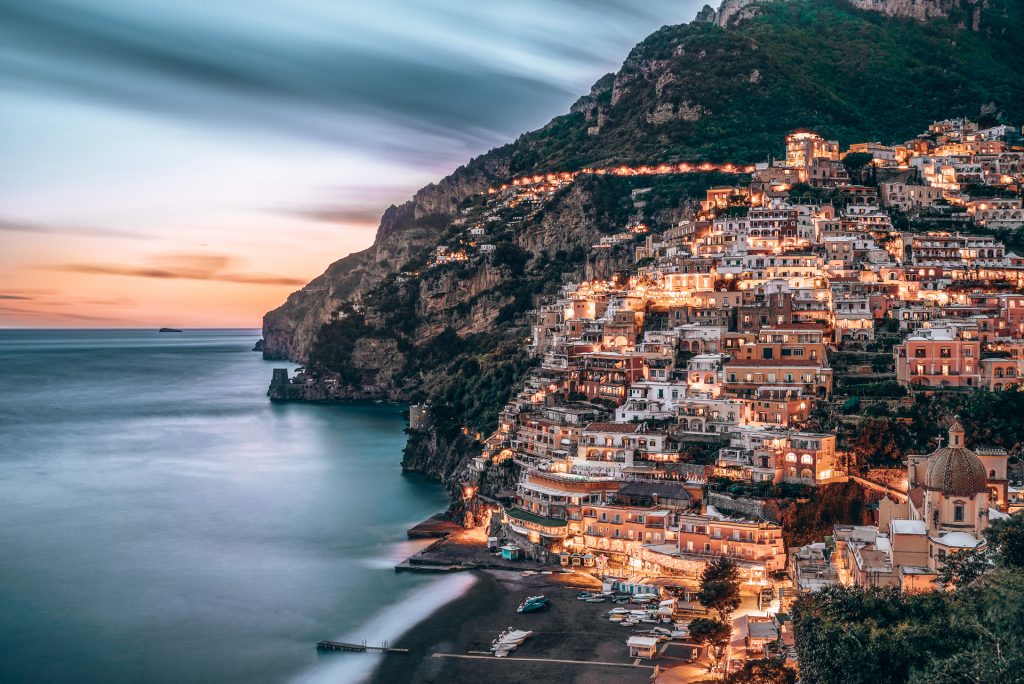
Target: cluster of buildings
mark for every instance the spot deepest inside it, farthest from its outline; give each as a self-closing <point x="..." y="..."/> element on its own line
<point x="953" y="495"/>
<point x="707" y="359"/>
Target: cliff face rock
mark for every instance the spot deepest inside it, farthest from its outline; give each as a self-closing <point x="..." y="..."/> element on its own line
<point x="699" y="92"/>
<point x="733" y="12"/>
<point x="406" y="232"/>
<point x="922" y="10"/>
<point x="427" y="453"/>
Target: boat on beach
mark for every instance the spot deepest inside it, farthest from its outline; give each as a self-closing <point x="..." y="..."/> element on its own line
<point x="533" y="604"/>
<point x="508" y="641"/>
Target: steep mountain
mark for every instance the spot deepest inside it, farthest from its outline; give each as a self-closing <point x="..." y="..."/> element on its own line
<point x="725" y="88"/>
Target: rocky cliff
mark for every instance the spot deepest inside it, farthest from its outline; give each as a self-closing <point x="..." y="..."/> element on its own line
<point x="389" y="322"/>
<point x="966" y="12"/>
<point x="405" y="233"/>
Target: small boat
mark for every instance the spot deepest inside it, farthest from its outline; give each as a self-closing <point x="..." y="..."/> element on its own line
<point x="595" y="599"/>
<point x="517" y="636"/>
<point x="508" y="641"/>
<point x="627" y="623"/>
<point x="616" y="618"/>
<point x="529" y="573"/>
<point x="618" y="611"/>
<point x="533" y="604"/>
<point x="583" y="596"/>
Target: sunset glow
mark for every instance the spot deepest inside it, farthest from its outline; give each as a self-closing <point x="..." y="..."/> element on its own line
<point x="191" y="164"/>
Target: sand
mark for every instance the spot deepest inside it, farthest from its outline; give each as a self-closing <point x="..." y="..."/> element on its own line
<point x="569" y="630"/>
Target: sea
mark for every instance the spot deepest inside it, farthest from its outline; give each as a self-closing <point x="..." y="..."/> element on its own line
<point x="162" y="521"/>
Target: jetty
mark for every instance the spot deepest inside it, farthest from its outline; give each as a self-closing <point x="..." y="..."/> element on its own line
<point x="326" y="645"/>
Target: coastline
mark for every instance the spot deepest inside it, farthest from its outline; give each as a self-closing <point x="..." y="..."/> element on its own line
<point x="572" y="642"/>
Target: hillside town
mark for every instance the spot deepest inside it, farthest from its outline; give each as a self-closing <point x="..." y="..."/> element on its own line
<point x="681" y="409"/>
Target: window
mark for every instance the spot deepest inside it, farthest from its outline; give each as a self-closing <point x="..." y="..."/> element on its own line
<point x="958" y="511"/>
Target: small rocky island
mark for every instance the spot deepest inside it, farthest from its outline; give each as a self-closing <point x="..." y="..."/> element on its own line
<point x="165" y="330"/>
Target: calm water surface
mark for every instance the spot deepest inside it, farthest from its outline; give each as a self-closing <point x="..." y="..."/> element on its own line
<point x="160" y="520"/>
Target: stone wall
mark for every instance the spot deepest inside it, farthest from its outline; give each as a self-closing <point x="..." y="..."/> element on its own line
<point x="751" y="508"/>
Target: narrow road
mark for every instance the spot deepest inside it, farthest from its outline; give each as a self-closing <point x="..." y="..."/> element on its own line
<point x="540" y="660"/>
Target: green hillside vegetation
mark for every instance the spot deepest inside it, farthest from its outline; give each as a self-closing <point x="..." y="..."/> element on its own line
<point x="817" y="64"/>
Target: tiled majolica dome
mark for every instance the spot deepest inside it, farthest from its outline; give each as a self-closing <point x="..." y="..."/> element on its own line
<point x="954" y="469"/>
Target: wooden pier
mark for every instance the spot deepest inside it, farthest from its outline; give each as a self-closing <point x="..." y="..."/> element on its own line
<point x="326" y="645"/>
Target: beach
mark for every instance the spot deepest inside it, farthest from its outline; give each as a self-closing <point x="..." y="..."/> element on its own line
<point x="573" y="640"/>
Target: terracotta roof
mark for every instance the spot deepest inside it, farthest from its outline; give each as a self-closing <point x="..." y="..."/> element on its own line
<point x="793" y="326"/>
<point x="666" y="490"/>
<point x="756" y="363"/>
<point x="613" y="427"/>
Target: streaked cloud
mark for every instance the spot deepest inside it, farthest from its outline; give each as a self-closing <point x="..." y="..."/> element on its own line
<point x="272" y="133"/>
<point x="15" y="226"/>
<point x="50" y="316"/>
<point x="214" y="267"/>
<point x="368" y="216"/>
<point x="406" y="78"/>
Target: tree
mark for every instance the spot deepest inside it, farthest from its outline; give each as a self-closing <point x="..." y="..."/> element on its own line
<point x="963" y="567"/>
<point x="1006" y="539"/>
<point x="881" y="441"/>
<point x="855" y="163"/>
<point x="986" y="642"/>
<point x="881" y="636"/>
<point x="764" y="671"/>
<point x="720" y="587"/>
<point x="713" y="633"/>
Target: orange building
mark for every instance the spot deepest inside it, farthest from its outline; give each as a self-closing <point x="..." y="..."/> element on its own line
<point x="940" y="357"/>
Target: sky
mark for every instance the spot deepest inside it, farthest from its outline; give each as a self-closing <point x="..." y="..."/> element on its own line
<point x="190" y="163"/>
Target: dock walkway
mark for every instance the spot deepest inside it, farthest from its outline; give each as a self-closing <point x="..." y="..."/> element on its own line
<point x="326" y="645"/>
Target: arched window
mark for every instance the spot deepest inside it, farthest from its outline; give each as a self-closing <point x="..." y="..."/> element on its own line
<point x="958" y="511"/>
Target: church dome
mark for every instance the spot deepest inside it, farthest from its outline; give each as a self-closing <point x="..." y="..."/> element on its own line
<point x="955" y="469"/>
